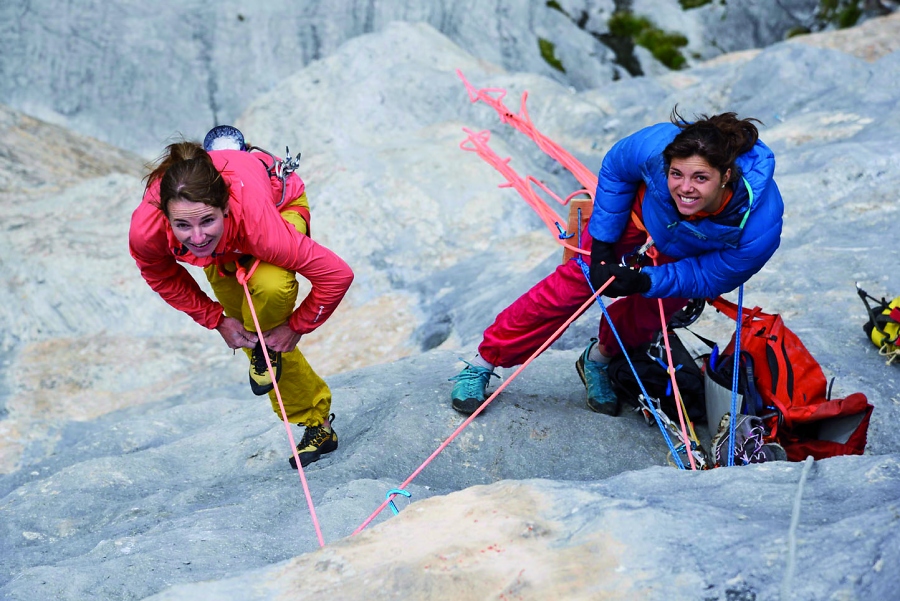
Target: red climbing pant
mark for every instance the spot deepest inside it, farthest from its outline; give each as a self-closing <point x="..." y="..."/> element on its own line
<point x="520" y="329"/>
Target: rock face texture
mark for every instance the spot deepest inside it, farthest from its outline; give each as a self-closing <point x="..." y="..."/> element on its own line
<point x="634" y="536"/>
<point x="135" y="74"/>
<point x="137" y="464"/>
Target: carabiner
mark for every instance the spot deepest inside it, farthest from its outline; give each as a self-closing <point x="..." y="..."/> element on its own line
<point x="396" y="491"/>
<point x="637" y="258"/>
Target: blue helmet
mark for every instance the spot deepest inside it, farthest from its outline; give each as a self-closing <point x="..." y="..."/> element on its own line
<point x="224" y="137"/>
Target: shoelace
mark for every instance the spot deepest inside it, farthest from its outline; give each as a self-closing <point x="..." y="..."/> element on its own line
<point x="473" y="379"/>
<point x="600" y="385"/>
<point x="314" y="437"/>
<point x="259" y="360"/>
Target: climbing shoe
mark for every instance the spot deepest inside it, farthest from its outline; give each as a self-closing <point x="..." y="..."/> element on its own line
<point x="468" y="392"/>
<point x="316" y="441"/>
<point x="260" y="380"/>
<point x="600" y="395"/>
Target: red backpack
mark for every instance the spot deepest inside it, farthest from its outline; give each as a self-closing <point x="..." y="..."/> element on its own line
<point x="788" y="378"/>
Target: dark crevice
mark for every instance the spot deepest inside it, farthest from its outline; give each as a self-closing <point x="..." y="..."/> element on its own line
<point x="623" y="49"/>
<point x="203" y="37"/>
<point x="621" y="46"/>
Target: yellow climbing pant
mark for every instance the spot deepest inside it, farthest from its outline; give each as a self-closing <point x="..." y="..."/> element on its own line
<point x="306" y="396"/>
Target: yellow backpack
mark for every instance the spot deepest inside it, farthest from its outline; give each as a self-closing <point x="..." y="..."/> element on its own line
<point x="883" y="327"/>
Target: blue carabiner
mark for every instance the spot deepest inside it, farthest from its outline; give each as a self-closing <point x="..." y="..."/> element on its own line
<point x="563" y="235"/>
<point x="396" y="491"/>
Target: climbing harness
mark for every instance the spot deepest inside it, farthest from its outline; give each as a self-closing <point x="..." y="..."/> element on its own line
<point x="243" y="277"/>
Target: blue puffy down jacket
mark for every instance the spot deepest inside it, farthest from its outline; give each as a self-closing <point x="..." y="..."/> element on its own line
<point x="715" y="254"/>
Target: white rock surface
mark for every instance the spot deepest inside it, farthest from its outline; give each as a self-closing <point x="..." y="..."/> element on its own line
<point x="135" y="460"/>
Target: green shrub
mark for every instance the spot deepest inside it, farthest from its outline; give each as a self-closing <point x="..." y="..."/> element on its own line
<point x="842" y="13"/>
<point x="548" y="52"/>
<point x="689" y="4"/>
<point x="627" y="25"/>
<point x="849" y="16"/>
<point x="555" y="5"/>
<point x="795" y="31"/>
<point x="663" y="45"/>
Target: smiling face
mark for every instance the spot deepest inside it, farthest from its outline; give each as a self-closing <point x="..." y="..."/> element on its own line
<point x="197" y="225"/>
<point x="695" y="186"/>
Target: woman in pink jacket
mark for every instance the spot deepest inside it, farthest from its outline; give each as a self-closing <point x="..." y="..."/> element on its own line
<point x="222" y="209"/>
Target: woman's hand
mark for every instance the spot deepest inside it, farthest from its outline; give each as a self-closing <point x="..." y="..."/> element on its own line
<point x="281" y="338"/>
<point x="628" y="281"/>
<point x="235" y="335"/>
<point x="603" y="258"/>
<point x="604" y="266"/>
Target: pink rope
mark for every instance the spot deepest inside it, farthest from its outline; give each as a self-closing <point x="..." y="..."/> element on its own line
<point x="487" y="402"/>
<point x="243" y="276"/>
<point x="675" y="392"/>
<point x="522" y="122"/>
<point x="478" y="143"/>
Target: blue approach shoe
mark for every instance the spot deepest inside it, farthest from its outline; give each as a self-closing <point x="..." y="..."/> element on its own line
<point x="600" y="395"/>
<point x="468" y="392"/>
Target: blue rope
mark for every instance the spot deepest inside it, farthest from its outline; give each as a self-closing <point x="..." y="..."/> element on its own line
<point x="734" y="378"/>
<point x="587" y="275"/>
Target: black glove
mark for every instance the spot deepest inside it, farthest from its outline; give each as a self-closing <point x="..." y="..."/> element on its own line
<point x="628" y="281"/>
<point x="603" y="257"/>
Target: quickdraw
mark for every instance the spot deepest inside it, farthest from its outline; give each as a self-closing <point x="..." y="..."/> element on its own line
<point x="699" y="454"/>
<point x="280" y="168"/>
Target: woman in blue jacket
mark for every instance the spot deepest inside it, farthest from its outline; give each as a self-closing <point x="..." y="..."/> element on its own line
<point x="700" y="196"/>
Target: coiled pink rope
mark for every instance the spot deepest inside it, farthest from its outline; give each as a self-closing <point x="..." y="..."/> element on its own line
<point x="522" y="122"/>
<point x="477" y="142"/>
